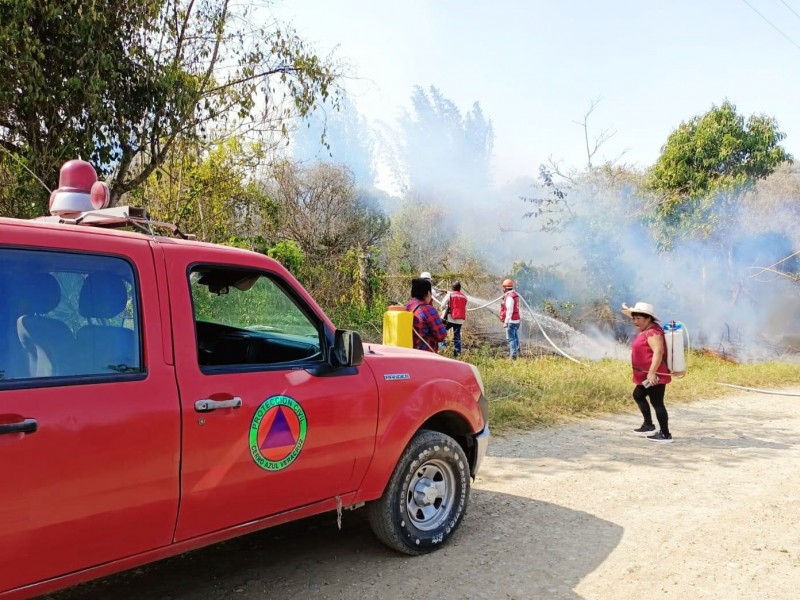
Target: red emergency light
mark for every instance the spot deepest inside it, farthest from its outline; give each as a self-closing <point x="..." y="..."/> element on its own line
<point x="78" y="190"/>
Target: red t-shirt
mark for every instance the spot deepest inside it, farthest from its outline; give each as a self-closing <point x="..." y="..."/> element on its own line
<point x="642" y="356"/>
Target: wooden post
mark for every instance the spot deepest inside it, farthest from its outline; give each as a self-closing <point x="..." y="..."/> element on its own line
<point x="363" y="278"/>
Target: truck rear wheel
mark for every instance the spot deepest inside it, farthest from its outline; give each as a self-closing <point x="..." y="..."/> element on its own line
<point x="426" y="497"/>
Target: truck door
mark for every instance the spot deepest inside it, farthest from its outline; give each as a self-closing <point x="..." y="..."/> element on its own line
<point x="89" y="414"/>
<point x="266" y="427"/>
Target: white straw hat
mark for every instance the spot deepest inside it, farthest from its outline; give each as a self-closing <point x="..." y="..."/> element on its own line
<point x="644" y="308"/>
<point x="425" y="275"/>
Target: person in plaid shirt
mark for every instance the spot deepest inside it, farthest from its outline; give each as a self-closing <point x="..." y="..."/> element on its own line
<point x="428" y="327"/>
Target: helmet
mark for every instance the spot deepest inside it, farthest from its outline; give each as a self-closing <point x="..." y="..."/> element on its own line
<point x="508" y="283"/>
<point x="425" y="275"/>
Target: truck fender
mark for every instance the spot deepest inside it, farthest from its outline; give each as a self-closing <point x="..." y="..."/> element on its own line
<point x="398" y="424"/>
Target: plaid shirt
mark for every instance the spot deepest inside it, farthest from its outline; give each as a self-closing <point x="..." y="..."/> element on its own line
<point x="427" y="324"/>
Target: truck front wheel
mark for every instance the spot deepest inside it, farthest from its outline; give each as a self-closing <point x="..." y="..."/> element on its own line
<point x="426" y="497"/>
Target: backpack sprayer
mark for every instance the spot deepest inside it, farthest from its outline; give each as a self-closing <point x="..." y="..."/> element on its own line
<point x="676" y="357"/>
<point x="674" y="353"/>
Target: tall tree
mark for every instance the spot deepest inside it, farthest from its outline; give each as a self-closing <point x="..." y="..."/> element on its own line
<point x="707" y="164"/>
<point x="341" y="136"/>
<point x="441" y="148"/>
<point x="118" y="83"/>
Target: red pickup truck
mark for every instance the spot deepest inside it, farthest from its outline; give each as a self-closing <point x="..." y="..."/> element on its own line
<point x="159" y="394"/>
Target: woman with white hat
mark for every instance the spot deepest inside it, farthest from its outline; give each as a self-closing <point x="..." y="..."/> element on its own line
<point x="650" y="372"/>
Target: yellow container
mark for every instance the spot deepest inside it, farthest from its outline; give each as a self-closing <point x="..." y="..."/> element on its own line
<point x="398" y="325"/>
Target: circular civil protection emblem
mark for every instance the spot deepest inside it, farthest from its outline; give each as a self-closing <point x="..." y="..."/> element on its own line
<point x="277" y="433"/>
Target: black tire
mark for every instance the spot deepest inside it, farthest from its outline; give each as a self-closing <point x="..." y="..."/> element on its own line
<point x="426" y="497"/>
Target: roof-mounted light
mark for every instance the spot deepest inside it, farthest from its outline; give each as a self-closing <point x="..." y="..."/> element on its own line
<point x="78" y="190"/>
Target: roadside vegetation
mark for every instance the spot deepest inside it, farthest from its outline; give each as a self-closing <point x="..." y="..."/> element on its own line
<point x="542" y="391"/>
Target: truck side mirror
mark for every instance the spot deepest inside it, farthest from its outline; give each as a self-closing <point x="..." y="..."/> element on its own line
<point x="348" y="350"/>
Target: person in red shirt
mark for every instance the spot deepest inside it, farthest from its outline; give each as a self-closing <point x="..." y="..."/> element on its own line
<point x="650" y="371"/>
<point x="510" y="316"/>
<point x="428" y="327"/>
<point x="454" y="309"/>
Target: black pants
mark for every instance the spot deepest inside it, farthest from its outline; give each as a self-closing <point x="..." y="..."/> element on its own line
<point x="656" y="395"/>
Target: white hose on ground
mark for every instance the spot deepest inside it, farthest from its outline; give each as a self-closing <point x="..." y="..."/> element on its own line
<point x="559" y="350"/>
<point x="544" y="333"/>
<point x="547" y="337"/>
<point x="760" y="391"/>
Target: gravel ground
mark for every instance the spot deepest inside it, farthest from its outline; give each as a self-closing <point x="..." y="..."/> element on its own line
<point x="583" y="511"/>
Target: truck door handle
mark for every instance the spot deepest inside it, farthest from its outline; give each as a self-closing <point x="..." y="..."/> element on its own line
<point x="207" y="404"/>
<point x="24" y="426"/>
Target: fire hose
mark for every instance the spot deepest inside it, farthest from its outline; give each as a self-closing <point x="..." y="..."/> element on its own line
<point x="551" y="342"/>
<point x="547" y="337"/>
<point x="544" y="333"/>
<point x="560" y="351"/>
<point x="760" y="391"/>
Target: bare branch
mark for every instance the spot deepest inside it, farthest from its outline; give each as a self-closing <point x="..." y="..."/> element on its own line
<point x="789" y="276"/>
<point x="599" y="140"/>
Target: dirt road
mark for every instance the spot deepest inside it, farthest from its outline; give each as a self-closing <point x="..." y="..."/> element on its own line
<point x="585" y="511"/>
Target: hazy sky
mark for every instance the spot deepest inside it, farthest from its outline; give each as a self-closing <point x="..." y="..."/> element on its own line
<point x="536" y="66"/>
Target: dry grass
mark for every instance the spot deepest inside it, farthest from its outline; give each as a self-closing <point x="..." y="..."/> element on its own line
<point x="542" y="391"/>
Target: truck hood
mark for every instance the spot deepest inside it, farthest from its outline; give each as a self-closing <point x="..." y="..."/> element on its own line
<point x="391" y="363"/>
<point x="395" y="351"/>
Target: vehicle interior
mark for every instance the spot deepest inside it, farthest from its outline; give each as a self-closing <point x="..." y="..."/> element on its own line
<point x="219" y="344"/>
<point x="244" y="317"/>
<point x="66" y="314"/>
